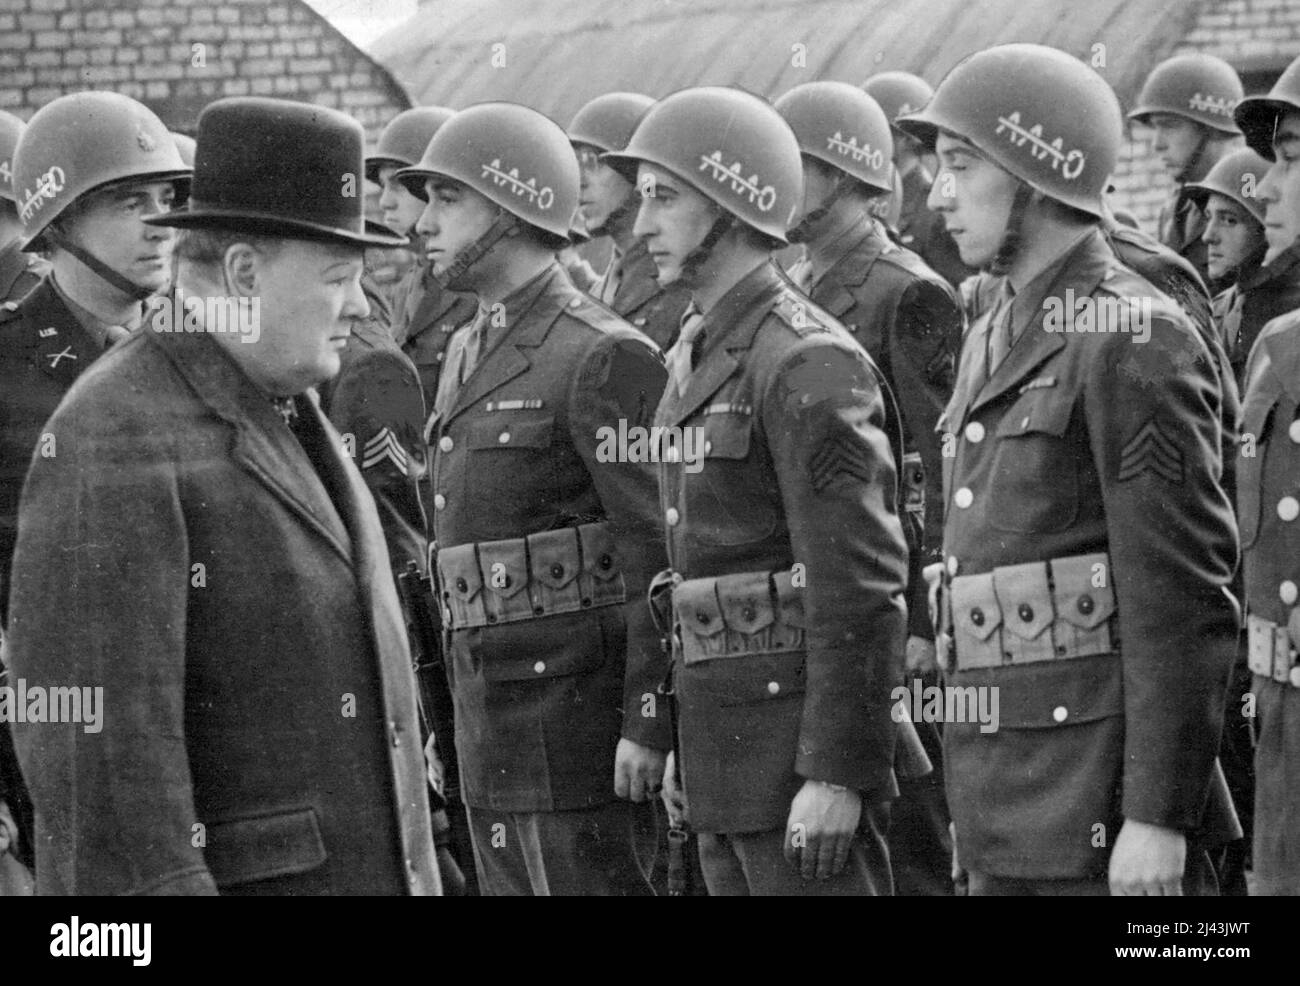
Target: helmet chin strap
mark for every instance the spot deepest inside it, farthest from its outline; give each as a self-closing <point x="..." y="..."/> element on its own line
<point x="802" y="230"/>
<point x="1194" y="161"/>
<point x="697" y="258"/>
<point x="476" y="251"/>
<point x="1009" y="248"/>
<point x="115" y="278"/>
<point x="625" y="208"/>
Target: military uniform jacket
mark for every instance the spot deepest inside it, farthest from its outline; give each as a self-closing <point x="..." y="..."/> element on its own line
<point x="1181" y="224"/>
<point x="425" y="314"/>
<point x="922" y="230"/>
<point x="376" y="405"/>
<point x="1082" y="445"/>
<point x="908" y="319"/>
<point x="1268" y="500"/>
<point x="43" y="349"/>
<point x="1261" y="294"/>
<point x="642" y="301"/>
<point x="797" y="478"/>
<point x="259" y="726"/>
<point x="540" y="704"/>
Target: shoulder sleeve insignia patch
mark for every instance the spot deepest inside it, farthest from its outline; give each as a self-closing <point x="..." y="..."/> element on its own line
<point x="1151" y="450"/>
<point x="384" y="446"/>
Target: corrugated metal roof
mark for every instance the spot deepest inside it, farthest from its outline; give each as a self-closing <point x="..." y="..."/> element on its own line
<point x="557" y="54"/>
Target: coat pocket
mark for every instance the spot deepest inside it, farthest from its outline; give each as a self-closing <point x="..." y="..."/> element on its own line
<point x="1034" y="482"/>
<point x="259" y="847"/>
<point x="511" y="432"/>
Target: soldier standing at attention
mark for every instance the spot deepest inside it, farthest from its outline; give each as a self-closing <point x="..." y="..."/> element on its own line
<point x="424" y="312"/>
<point x="609" y="200"/>
<point x="1088" y="542"/>
<point x="1188" y="101"/>
<point x="19" y="271"/>
<point x="1268" y="506"/>
<point x="545" y="527"/>
<point x="779" y="499"/>
<point x="919" y="227"/>
<point x="909" y="321"/>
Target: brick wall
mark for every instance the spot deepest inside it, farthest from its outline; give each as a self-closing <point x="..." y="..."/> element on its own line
<point x="178" y="55"/>
<point x="1258" y="37"/>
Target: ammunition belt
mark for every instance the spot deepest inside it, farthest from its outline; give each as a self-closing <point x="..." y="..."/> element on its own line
<point x="487" y="583"/>
<point x="1271" y="651"/>
<point x="737" y="615"/>
<point x="1040" y="611"/>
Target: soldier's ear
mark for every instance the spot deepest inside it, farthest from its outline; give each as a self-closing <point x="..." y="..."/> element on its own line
<point x="240" y="265"/>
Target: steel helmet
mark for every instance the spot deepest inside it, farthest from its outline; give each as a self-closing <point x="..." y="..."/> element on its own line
<point x="841" y="125"/>
<point x="1235" y="176"/>
<point x="1200" y="88"/>
<point x="1038" y="113"/>
<point x="512" y="155"/>
<point x="898" y="93"/>
<point x="11" y="128"/>
<point x="607" y="122"/>
<point x="1257" y="115"/>
<point x="731" y="146"/>
<point x="403" y="141"/>
<point x="84" y="141"/>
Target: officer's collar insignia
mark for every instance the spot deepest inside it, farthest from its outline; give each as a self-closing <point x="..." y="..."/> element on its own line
<point x="1038" y="383"/>
<point x="1219" y="106"/>
<point x="763" y="196"/>
<point x="65" y="353"/>
<point x="1070" y="163"/>
<point x="862" y="153"/>
<point x="543" y="198"/>
<point x="147" y="143"/>
<point x="47" y="332"/>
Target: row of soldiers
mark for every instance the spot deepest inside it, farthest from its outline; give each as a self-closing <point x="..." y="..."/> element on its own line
<point x="857" y="472"/>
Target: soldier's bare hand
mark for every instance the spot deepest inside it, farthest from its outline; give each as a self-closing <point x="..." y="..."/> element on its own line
<point x="1147" y="861"/>
<point x="921" y="657"/>
<point x="674" y="798"/>
<point x="638" y="770"/>
<point x="819" y="832"/>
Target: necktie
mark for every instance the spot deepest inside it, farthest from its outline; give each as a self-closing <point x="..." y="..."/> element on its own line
<point x="609" y="284"/>
<point x="681" y="355"/>
<point x="1000" y="329"/>
<point x="475" y="337"/>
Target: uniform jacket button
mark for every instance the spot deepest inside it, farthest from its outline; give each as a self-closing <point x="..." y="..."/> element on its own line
<point x="963" y="498"/>
<point x="974" y="432"/>
<point x="539" y="667"/>
<point x="773" y="687"/>
<point x="1294" y="431"/>
<point x="504" y="438"/>
<point x="1288" y="508"/>
<point x="672" y="516"/>
<point x="1060" y="713"/>
<point x="952" y="565"/>
<point x="1288" y="592"/>
<point x="1294" y="677"/>
<point x="439" y="501"/>
<point x="445" y="443"/>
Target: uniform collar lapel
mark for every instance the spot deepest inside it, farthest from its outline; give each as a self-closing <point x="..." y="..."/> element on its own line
<point x="856" y="254"/>
<point x="638" y="284"/>
<point x="264" y="447"/>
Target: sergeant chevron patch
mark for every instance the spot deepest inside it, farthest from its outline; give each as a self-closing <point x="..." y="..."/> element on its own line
<point x="839" y="458"/>
<point x="1151" y="450"/>
<point x="384" y="445"/>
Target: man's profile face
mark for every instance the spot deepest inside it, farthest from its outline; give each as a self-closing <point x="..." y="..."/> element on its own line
<point x="310" y="297"/>
<point x="673" y="219"/>
<point x="1280" y="189"/>
<point x="1176" y="141"/>
<point x="109" y="223"/>
<point x="454" y="218"/>
<point x="601" y="191"/>
<point x="1232" y="235"/>
<point x="974" y="196"/>
<point x="400" y="209"/>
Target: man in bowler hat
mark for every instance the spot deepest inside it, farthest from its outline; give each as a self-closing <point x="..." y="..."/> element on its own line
<point x="201" y="550"/>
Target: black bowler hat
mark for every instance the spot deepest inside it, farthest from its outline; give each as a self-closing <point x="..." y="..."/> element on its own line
<point x="271" y="167"/>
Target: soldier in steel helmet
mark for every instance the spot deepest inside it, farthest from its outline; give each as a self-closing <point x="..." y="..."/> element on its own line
<point x="424" y="312"/>
<point x="20" y="271"/>
<point x="1088" y="543"/>
<point x="544" y="521"/>
<point x="778" y="488"/>
<point x="919" y="228"/>
<point x="609" y="201"/>
<point x="1187" y="101"/>
<point x="1268" y="509"/>
<point x="202" y="551"/>
<point x="909" y="321"/>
